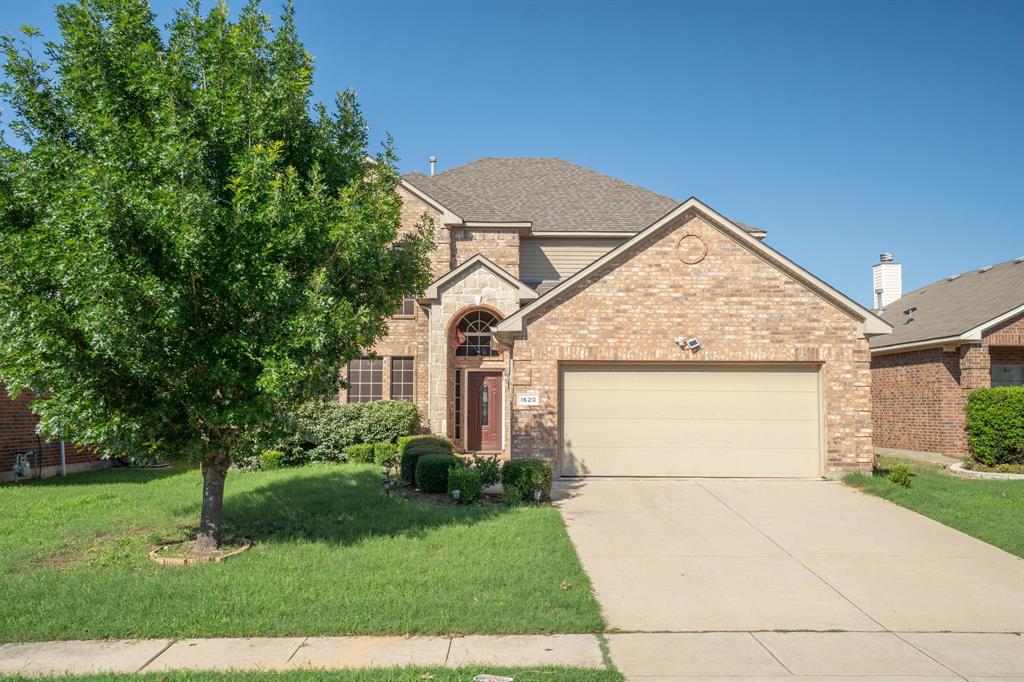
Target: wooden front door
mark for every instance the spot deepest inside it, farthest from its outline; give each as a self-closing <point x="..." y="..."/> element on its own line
<point x="483" y="411"/>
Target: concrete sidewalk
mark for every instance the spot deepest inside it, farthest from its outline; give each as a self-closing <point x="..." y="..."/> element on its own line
<point x="289" y="653"/>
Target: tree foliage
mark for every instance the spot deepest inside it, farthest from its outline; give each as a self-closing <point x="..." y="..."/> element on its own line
<point x="187" y="242"/>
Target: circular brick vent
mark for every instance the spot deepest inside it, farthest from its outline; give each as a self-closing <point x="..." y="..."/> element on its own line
<point x="691" y="249"/>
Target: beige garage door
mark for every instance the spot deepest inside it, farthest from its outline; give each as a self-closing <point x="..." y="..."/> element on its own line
<point x="693" y="420"/>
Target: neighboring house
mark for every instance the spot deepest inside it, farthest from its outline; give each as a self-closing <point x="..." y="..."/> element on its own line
<point x="18" y="434"/>
<point x="949" y="338"/>
<point x="615" y="331"/>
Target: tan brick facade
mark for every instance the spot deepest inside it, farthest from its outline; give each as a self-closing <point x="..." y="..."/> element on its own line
<point x="742" y="309"/>
<point x="918" y="396"/>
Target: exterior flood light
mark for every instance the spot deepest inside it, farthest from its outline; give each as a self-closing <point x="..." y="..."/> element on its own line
<point x="692" y="344"/>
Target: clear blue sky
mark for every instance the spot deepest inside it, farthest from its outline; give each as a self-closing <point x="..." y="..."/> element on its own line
<point x="844" y="129"/>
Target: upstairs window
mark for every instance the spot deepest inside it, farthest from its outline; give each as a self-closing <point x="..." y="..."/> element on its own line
<point x="407" y="309"/>
<point x="473" y="334"/>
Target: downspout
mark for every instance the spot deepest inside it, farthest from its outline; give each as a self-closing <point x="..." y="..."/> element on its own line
<point x="63" y="461"/>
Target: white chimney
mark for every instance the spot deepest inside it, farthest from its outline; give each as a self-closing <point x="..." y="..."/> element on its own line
<point x="433" y="163"/>
<point x="887" y="277"/>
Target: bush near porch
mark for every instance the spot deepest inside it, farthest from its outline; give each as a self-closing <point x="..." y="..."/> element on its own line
<point x="332" y="555"/>
<point x="995" y="425"/>
<point x="325" y="430"/>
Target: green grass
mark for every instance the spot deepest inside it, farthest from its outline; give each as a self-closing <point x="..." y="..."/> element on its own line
<point x="332" y="556"/>
<point x="383" y="675"/>
<point x="992" y="511"/>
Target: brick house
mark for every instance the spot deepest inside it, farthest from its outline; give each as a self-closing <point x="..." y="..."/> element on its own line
<point x="18" y="434"/>
<point x="949" y="338"/>
<point x="616" y="331"/>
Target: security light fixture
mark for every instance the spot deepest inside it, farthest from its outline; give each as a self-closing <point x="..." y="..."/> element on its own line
<point x="692" y="344"/>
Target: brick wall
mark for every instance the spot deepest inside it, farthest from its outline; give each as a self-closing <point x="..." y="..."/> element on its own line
<point x="18" y="434"/>
<point x="500" y="245"/>
<point x="740" y="307"/>
<point x="917" y="401"/>
<point x="1009" y="333"/>
<point x="918" y="397"/>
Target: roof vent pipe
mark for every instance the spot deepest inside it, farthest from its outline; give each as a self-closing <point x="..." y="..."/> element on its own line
<point x="433" y="163"/>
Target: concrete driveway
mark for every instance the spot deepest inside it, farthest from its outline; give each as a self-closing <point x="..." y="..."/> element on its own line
<point x="749" y="560"/>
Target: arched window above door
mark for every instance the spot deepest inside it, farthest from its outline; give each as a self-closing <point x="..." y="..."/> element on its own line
<point x="473" y="334"/>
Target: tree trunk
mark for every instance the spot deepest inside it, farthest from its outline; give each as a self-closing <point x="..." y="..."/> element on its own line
<point x="215" y="470"/>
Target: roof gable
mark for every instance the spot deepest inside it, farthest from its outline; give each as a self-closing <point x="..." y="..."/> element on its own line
<point x="870" y="323"/>
<point x="434" y="290"/>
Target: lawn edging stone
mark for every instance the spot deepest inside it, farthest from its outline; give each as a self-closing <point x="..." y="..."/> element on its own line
<point x="154" y="554"/>
<point x="959" y="470"/>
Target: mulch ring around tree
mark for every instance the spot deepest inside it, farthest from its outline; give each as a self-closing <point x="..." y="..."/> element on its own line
<point x="183" y="553"/>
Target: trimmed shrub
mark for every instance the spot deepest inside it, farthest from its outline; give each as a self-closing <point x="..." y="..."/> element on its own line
<point x="382" y="452"/>
<point x="360" y="452"/>
<point x="271" y="459"/>
<point x="489" y="469"/>
<point x="432" y="471"/>
<point x="323" y="430"/>
<point x="995" y="425"/>
<point x="411" y="448"/>
<point x="900" y="475"/>
<point x="522" y="478"/>
<point x="370" y="453"/>
<point x="385" y="421"/>
<point x="467" y="482"/>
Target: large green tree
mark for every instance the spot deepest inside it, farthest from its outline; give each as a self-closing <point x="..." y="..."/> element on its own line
<point x="187" y="241"/>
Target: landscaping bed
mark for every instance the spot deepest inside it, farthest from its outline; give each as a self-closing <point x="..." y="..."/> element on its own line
<point x="992" y="511"/>
<point x="331" y="555"/>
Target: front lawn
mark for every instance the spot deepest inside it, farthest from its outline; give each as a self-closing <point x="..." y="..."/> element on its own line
<point x="332" y="556"/>
<point x="384" y="675"/>
<point x="992" y="511"/>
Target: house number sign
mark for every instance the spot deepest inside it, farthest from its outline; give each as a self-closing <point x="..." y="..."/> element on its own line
<point x="527" y="399"/>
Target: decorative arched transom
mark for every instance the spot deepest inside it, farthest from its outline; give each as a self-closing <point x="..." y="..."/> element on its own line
<point x="473" y="334"/>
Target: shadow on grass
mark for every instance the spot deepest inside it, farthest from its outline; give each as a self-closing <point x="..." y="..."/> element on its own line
<point x="105" y="476"/>
<point x="339" y="505"/>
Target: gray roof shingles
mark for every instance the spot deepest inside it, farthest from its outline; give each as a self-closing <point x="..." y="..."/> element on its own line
<point x="951" y="307"/>
<point x="555" y="195"/>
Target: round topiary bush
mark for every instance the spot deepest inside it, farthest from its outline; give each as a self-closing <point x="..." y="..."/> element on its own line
<point x="411" y="448"/>
<point x="432" y="472"/>
<point x="523" y="479"/>
<point x="467" y="482"/>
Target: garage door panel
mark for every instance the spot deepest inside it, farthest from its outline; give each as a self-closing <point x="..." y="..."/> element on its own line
<point x="648" y="404"/>
<point x="698" y="462"/>
<point x="683" y="434"/>
<point x="739" y="379"/>
<point x="694" y="420"/>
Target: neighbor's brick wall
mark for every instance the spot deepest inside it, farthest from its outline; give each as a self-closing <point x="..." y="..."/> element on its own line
<point x="917" y="401"/>
<point x="741" y="308"/>
<point x="18" y="434"/>
<point x="918" y="397"/>
<point x="1009" y="333"/>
